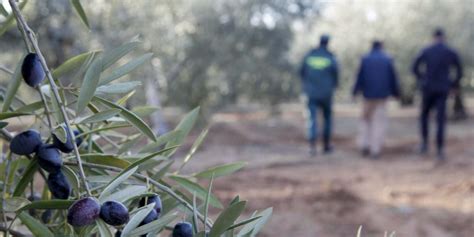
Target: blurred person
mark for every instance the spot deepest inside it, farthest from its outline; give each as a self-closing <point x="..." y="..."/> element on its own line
<point x="319" y="75"/>
<point x="377" y="80"/>
<point x="432" y="68"/>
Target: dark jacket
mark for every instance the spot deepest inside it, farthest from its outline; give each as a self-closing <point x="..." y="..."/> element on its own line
<point x="437" y="60"/>
<point x="377" y="78"/>
<point x="319" y="74"/>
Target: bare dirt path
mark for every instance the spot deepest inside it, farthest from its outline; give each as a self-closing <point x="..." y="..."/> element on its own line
<point x="330" y="196"/>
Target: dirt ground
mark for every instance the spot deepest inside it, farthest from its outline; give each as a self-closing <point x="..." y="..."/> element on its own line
<point x="331" y="196"/>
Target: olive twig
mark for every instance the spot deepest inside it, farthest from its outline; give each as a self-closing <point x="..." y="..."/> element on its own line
<point x="5" y="69"/>
<point x="46" y="109"/>
<point x="4" y="190"/>
<point x="26" y="30"/>
<point x="24" y="37"/>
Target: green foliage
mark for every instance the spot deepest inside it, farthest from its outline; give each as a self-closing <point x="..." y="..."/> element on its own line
<point x="122" y="158"/>
<point x="91" y="80"/>
<point x="36" y="227"/>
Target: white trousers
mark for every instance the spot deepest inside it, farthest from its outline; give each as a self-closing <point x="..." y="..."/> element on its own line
<point x="373" y="125"/>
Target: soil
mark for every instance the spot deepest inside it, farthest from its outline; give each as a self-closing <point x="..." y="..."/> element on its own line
<point x="332" y="195"/>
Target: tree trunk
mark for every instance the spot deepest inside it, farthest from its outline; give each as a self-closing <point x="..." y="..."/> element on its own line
<point x="153" y="99"/>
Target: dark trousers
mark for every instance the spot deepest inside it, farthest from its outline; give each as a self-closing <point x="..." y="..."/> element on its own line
<point x="325" y="105"/>
<point x="432" y="101"/>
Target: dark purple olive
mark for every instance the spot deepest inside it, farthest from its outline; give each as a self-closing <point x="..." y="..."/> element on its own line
<point x="183" y="229"/>
<point x="33" y="198"/>
<point x="32" y="71"/>
<point x="46" y="216"/>
<point x="114" y="213"/>
<point x="65" y="147"/>
<point x="79" y="140"/>
<point x="49" y="158"/>
<point x="83" y="212"/>
<point x="26" y="142"/>
<point x="58" y="185"/>
<point x="152" y="199"/>
<point x="150" y="217"/>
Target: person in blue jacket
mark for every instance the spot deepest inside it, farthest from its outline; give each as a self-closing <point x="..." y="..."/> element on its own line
<point x="319" y="76"/>
<point x="432" y="68"/>
<point x="377" y="80"/>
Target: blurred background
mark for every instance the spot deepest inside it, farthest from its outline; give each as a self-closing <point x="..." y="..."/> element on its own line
<point x="239" y="59"/>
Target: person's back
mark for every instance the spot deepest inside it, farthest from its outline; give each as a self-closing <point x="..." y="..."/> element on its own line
<point x="376" y="78"/>
<point x="438" y="59"/>
<point x="319" y="73"/>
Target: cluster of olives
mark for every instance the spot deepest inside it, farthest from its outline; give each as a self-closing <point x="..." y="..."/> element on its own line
<point x="29" y="142"/>
<point x="48" y="157"/>
<point x="86" y="210"/>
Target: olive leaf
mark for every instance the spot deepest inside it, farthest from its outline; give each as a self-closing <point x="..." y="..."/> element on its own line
<point x="112" y="56"/>
<point x="101" y="116"/>
<point x="126" y="69"/>
<point x="136" y="219"/>
<point x="193" y="187"/>
<point x="221" y="170"/>
<point x="130" y="117"/>
<point x="89" y="86"/>
<point x="12" y="87"/>
<point x="80" y="11"/>
<point x="73" y="63"/>
<point x="35" y="226"/>
<point x="154" y="226"/>
<point x="227" y="218"/>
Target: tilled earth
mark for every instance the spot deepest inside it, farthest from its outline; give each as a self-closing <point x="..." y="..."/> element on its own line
<point x="331" y="196"/>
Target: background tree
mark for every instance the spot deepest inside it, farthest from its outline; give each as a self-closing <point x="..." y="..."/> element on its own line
<point x="404" y="26"/>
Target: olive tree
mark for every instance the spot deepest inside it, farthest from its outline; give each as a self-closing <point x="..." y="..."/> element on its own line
<point x="77" y="162"/>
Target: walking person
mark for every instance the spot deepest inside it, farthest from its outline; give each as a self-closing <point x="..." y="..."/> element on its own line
<point x="319" y="75"/>
<point x="432" y="68"/>
<point x="377" y="80"/>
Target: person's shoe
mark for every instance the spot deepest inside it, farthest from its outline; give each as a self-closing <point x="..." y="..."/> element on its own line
<point x="375" y="156"/>
<point x="441" y="156"/>
<point x="365" y="152"/>
<point x="423" y="149"/>
<point x="312" y="151"/>
<point x="328" y="149"/>
<point x="439" y="162"/>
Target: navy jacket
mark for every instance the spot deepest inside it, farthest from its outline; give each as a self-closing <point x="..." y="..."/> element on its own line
<point x="432" y="68"/>
<point x="319" y="74"/>
<point x="377" y="78"/>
